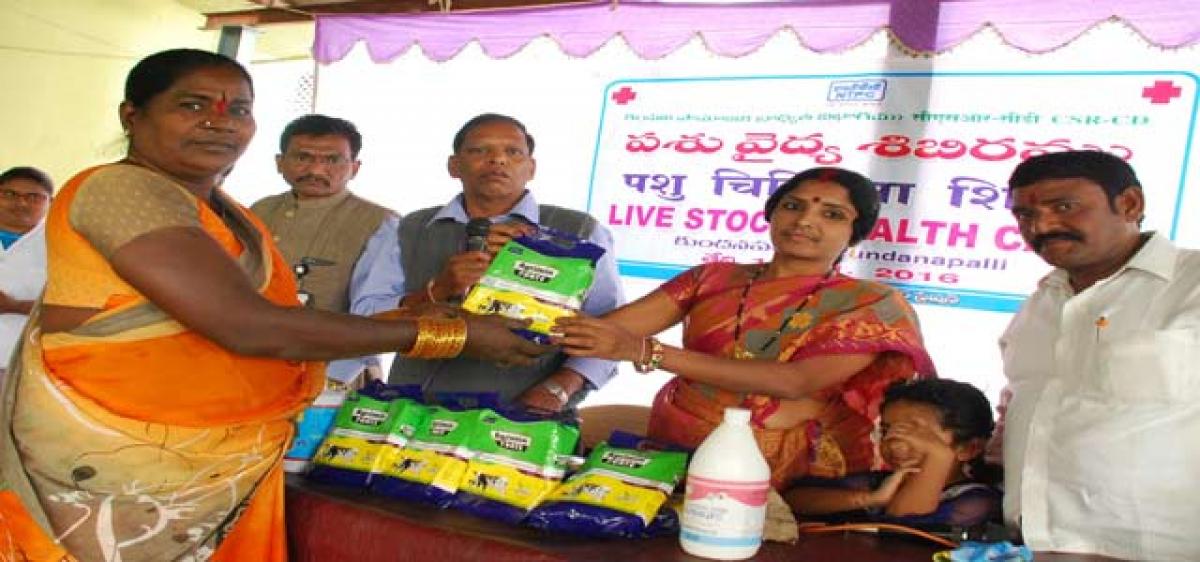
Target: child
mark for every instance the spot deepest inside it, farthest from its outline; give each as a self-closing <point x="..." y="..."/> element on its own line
<point x="932" y="432"/>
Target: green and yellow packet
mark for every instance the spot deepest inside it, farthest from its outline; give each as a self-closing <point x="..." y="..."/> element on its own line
<point x="515" y="465"/>
<point x="430" y="465"/>
<point x="541" y="277"/>
<point x="617" y="492"/>
<point x="351" y="451"/>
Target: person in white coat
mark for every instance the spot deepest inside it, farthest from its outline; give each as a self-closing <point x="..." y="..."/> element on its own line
<point x="24" y="199"/>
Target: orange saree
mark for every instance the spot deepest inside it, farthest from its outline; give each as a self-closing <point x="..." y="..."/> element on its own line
<point x="788" y="319"/>
<point x="131" y="437"/>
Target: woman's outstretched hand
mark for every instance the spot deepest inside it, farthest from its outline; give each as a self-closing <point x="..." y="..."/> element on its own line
<point x="491" y="338"/>
<point x="585" y="336"/>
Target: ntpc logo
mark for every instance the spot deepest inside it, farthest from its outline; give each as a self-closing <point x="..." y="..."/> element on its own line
<point x="857" y="90"/>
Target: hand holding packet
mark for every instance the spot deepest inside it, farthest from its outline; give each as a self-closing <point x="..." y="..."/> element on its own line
<point x="539" y="277"/>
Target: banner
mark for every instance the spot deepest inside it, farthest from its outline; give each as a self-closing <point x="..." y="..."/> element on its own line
<point x="677" y="155"/>
<point x="684" y="165"/>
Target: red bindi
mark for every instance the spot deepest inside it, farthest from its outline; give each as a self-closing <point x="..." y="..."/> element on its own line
<point x="222" y="104"/>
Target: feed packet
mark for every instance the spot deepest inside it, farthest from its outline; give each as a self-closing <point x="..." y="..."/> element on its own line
<point x="312" y="426"/>
<point x="350" y="453"/>
<point x="429" y="467"/>
<point x="540" y="277"/>
<point x="515" y="465"/>
<point x="619" y="492"/>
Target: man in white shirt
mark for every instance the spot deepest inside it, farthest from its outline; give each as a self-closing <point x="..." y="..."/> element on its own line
<point x="1102" y="432"/>
<point x="24" y="199"/>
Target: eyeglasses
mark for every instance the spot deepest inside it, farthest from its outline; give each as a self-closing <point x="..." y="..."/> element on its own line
<point x="31" y="198"/>
<point x="308" y="158"/>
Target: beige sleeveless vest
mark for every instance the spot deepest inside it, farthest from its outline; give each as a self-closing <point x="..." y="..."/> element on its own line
<point x="331" y="229"/>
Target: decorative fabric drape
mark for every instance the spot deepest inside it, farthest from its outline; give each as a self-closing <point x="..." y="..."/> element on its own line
<point x="654" y="30"/>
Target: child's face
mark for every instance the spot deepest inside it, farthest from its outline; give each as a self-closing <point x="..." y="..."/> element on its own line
<point x="923" y="431"/>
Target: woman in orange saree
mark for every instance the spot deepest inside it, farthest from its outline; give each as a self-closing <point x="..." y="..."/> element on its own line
<point x="149" y="402"/>
<point x="808" y="350"/>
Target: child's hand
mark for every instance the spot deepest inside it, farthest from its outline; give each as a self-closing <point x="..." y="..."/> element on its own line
<point x="887" y="490"/>
<point x="921" y="439"/>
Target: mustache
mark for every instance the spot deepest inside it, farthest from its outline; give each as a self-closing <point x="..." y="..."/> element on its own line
<point x="1041" y="239"/>
<point x="324" y="180"/>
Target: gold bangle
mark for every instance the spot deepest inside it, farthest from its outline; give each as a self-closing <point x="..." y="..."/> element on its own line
<point x="639" y="364"/>
<point x="438" y="338"/>
<point x="654" y="361"/>
<point x="642" y="364"/>
<point x="657" y="353"/>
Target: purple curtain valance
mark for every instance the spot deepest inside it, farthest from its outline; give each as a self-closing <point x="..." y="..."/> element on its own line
<point x="654" y="30"/>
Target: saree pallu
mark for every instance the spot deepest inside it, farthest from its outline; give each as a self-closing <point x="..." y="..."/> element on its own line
<point x="125" y="440"/>
<point x="781" y="322"/>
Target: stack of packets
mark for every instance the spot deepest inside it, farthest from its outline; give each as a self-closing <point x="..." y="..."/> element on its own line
<point x="507" y="466"/>
<point x="619" y="492"/>
<point x="540" y="277"/>
<point x="430" y="466"/>
<point x="369" y="424"/>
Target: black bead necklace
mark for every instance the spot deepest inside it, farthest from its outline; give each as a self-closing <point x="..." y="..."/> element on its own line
<point x="740" y="350"/>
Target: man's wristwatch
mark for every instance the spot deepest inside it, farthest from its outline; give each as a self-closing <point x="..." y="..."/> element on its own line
<point x="557" y="390"/>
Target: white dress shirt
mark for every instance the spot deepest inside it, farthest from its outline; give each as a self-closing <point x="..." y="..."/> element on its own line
<point x="22" y="276"/>
<point x="1102" y="432"/>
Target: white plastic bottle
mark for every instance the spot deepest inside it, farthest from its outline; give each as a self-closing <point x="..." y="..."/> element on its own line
<point x="726" y="500"/>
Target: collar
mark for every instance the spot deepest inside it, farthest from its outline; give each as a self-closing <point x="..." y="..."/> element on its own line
<point x="526" y="209"/>
<point x="319" y="202"/>
<point x="8" y="238"/>
<point x="18" y="237"/>
<point x="40" y="225"/>
<point x="1156" y="257"/>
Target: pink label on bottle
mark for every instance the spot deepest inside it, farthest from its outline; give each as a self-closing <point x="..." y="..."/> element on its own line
<point x="752" y="494"/>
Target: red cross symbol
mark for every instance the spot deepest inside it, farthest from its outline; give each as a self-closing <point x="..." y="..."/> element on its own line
<point x="624" y="95"/>
<point x="1163" y="91"/>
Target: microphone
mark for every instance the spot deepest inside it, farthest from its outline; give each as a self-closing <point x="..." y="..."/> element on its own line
<point x="477" y="233"/>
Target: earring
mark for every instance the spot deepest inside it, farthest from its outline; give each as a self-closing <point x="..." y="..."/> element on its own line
<point x="207" y="124"/>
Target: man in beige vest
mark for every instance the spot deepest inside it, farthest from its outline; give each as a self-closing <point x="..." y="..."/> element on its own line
<point x="324" y="230"/>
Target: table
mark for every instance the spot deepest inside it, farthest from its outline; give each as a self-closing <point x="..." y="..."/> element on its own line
<point x="333" y="524"/>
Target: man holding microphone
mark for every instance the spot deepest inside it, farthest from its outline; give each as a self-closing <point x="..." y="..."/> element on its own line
<point x="444" y="251"/>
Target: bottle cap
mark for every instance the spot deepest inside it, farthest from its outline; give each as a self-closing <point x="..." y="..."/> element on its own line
<point x="740" y="416"/>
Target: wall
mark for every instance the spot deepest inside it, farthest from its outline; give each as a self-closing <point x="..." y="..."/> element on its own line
<point x="65" y="63"/>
